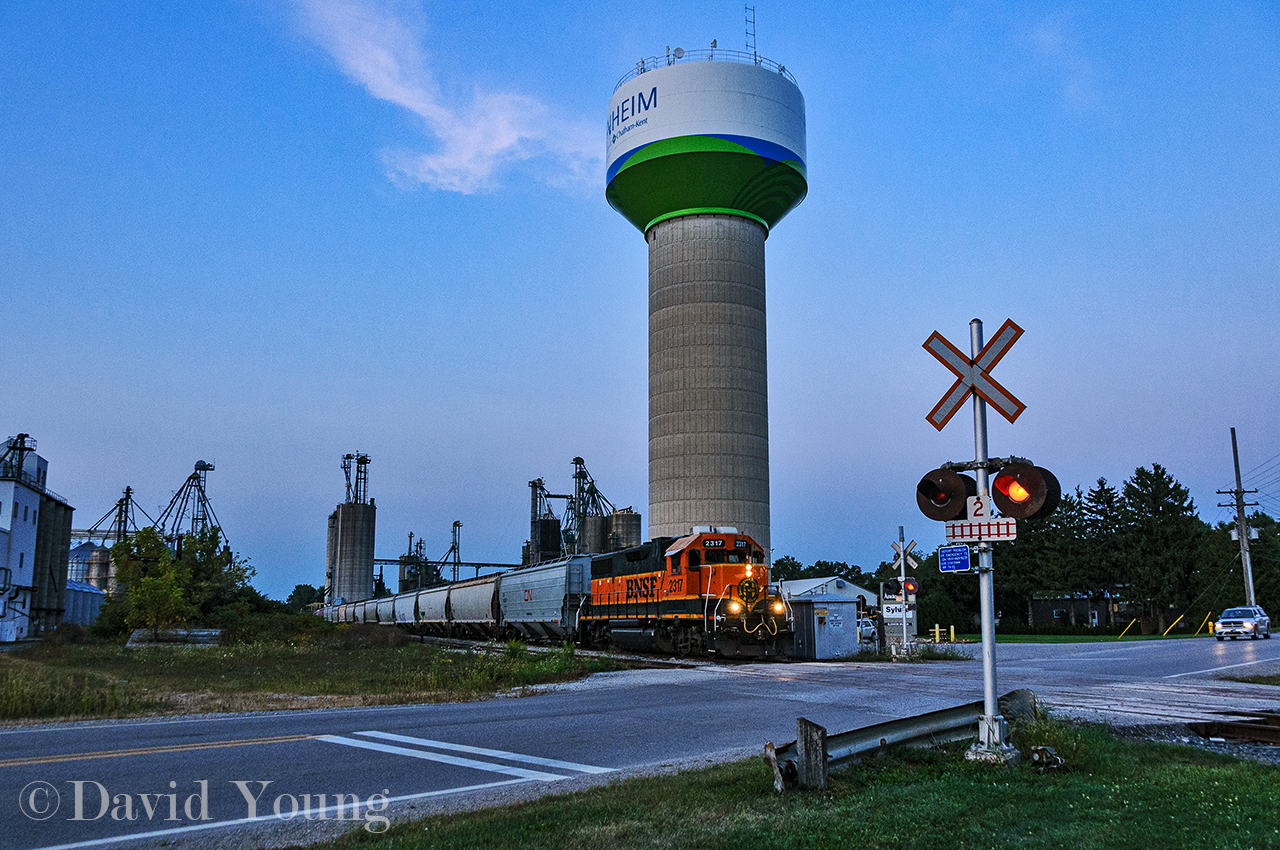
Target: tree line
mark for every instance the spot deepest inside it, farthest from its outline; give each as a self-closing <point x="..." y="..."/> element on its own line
<point x="1137" y="551"/>
<point x="195" y="581"/>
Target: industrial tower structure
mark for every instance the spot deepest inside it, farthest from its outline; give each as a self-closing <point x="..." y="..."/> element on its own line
<point x="705" y="154"/>
<point x="348" y="561"/>
<point x="35" y="543"/>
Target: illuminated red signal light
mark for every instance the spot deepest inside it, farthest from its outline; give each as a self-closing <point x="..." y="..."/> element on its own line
<point x="1012" y="488"/>
<point x="910" y="585"/>
<point x="1023" y="491"/>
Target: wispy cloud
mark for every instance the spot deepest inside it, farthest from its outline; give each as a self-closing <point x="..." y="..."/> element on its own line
<point x="381" y="46"/>
<point x="1054" y="43"/>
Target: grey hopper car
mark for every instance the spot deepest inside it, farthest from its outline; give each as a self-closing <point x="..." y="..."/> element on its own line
<point x="543" y="601"/>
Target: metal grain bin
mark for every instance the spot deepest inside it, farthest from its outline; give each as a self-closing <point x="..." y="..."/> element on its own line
<point x="594" y="536"/>
<point x="549" y="542"/>
<point x="624" y="530"/>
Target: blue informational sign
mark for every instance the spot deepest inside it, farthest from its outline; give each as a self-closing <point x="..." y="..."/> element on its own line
<point x="953" y="559"/>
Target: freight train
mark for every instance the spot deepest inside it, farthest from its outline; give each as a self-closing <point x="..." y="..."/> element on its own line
<point x="705" y="592"/>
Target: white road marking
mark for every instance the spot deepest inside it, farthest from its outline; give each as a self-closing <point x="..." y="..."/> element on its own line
<point x="201" y="827"/>
<point x="481" y="751"/>
<point x="442" y="758"/>
<point x="1227" y="667"/>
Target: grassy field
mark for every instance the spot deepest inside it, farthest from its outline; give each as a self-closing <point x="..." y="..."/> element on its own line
<point x="1112" y="794"/>
<point x="351" y="666"/>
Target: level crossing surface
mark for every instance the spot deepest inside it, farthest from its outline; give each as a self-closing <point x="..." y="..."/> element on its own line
<point x="292" y="777"/>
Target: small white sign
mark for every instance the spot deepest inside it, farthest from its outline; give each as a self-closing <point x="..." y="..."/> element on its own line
<point x="979" y="509"/>
<point x="971" y="531"/>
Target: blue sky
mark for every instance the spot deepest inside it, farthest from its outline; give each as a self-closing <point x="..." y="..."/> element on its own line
<point x="265" y="234"/>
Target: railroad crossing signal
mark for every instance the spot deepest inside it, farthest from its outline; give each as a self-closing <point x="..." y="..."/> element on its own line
<point x="1023" y="491"/>
<point x="941" y="494"/>
<point x="910" y="587"/>
<point x="972" y="376"/>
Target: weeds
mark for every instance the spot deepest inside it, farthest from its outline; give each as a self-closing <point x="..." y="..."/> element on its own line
<point x="350" y="665"/>
<point x="32" y="691"/>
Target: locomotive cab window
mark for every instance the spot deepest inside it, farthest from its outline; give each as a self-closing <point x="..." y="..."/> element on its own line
<point x="715" y="556"/>
<point x="675" y="564"/>
<point x="757" y="556"/>
<point x="695" y="559"/>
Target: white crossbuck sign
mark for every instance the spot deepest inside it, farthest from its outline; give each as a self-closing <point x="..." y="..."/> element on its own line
<point x="972" y="376"/>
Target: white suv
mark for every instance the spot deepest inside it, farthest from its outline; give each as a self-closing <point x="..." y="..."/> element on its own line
<point x="1250" y="622"/>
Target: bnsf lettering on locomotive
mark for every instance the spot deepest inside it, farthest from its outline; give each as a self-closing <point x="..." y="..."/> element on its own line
<point x="644" y="587"/>
<point x="713" y="544"/>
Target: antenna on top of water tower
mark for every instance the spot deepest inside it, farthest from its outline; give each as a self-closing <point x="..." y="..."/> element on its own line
<point x="751" y="33"/>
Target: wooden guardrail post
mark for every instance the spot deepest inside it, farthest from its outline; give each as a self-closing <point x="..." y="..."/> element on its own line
<point x="811" y="754"/>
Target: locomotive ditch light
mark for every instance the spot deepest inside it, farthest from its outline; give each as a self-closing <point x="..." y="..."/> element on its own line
<point x="942" y="494"/>
<point x="1023" y="491"/>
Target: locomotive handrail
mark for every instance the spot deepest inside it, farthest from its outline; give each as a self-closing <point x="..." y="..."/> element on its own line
<point x="715" y="623"/>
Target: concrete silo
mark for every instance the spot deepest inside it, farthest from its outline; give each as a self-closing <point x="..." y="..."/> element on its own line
<point x="705" y="154"/>
<point x="348" y="563"/>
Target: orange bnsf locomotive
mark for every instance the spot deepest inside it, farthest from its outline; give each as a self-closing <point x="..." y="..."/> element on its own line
<point x="688" y="595"/>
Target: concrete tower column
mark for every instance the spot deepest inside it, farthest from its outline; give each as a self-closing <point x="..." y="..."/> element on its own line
<point x="708" y="376"/>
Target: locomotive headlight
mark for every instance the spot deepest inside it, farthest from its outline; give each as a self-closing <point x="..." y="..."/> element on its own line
<point x="748" y="569"/>
<point x="734" y="607"/>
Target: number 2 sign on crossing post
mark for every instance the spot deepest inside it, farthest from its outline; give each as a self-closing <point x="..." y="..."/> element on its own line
<point x="980" y="526"/>
<point x="973" y="378"/>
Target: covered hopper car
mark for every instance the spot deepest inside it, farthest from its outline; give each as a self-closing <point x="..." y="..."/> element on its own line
<point x="707" y="591"/>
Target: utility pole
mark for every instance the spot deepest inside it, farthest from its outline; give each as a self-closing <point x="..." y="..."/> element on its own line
<point x="1242" y="524"/>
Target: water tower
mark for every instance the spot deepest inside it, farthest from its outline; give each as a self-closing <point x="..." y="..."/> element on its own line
<point x="705" y="154"/>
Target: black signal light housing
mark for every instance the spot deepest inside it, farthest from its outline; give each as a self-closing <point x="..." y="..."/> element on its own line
<point x="943" y="494"/>
<point x="1023" y="491"/>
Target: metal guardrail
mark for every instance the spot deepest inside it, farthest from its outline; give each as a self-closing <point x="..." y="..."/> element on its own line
<point x="712" y="54"/>
<point x="934" y="727"/>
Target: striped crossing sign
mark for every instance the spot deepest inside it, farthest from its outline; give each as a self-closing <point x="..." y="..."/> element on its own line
<point x="973" y="376"/>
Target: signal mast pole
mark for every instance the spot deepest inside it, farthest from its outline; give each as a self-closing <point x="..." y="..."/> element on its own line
<point x="991" y="726"/>
<point x="1242" y="524"/>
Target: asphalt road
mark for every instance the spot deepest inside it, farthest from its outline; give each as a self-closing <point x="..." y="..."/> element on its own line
<point x="289" y="777"/>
